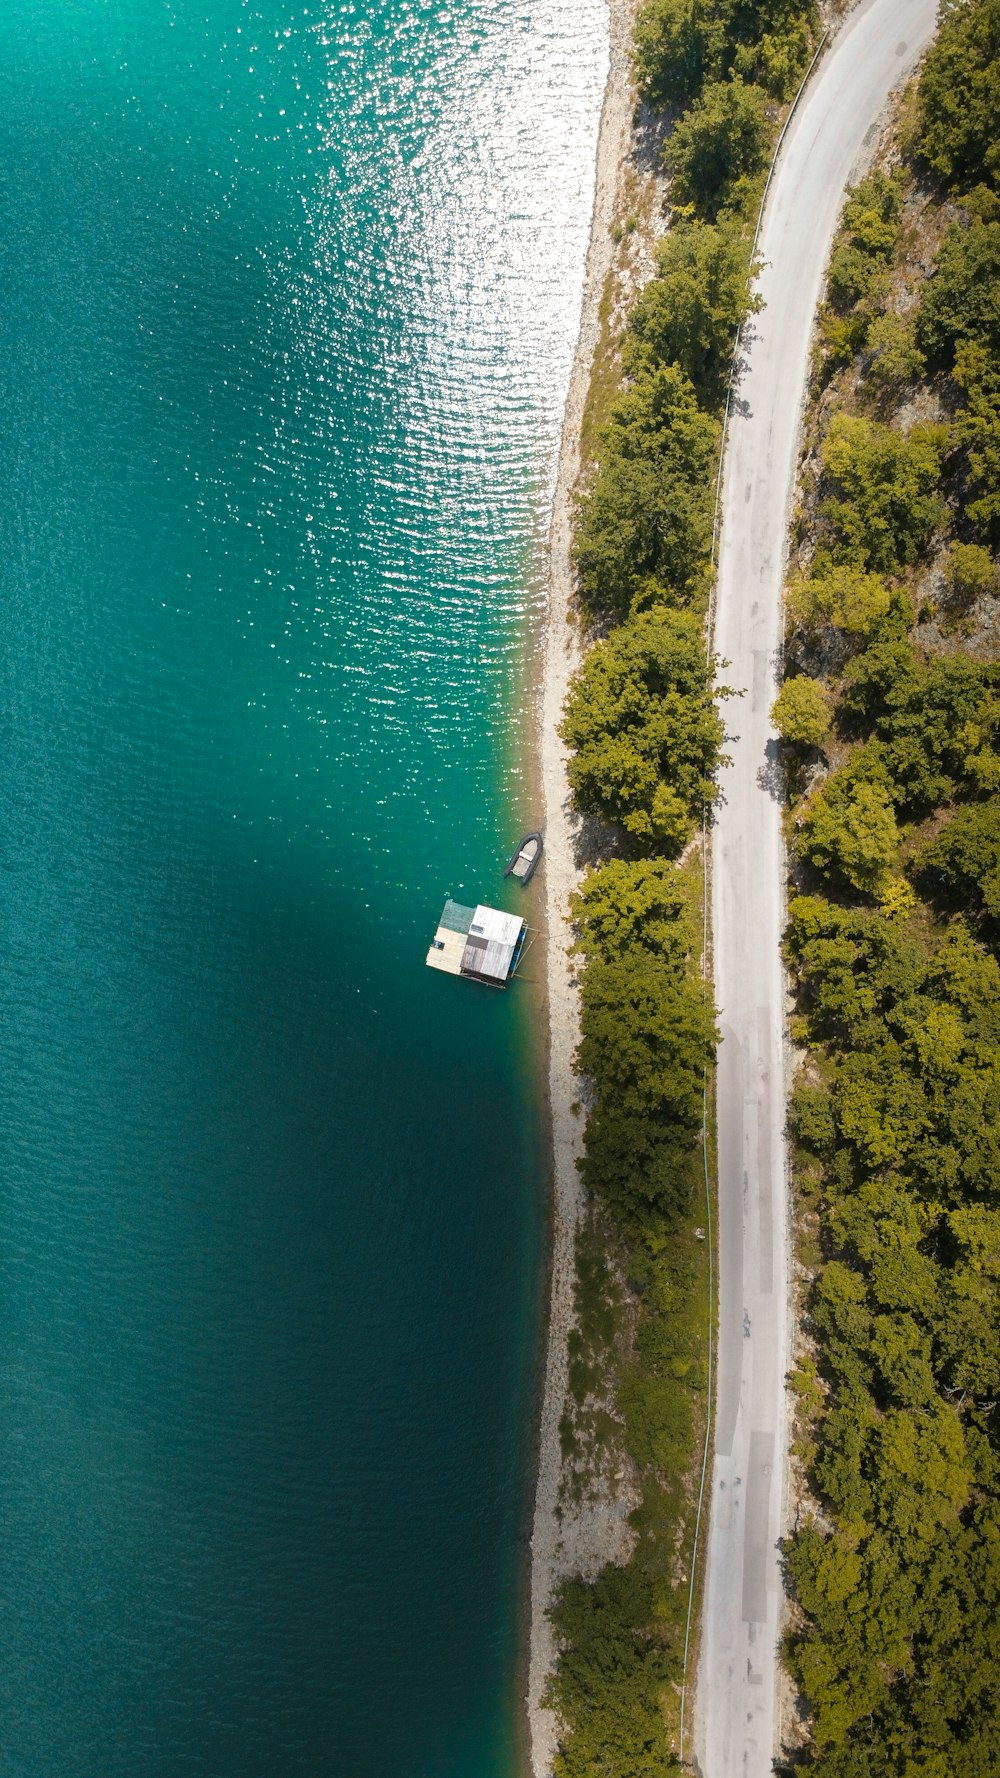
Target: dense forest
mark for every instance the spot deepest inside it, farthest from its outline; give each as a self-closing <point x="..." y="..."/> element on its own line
<point x="646" y="732"/>
<point x="890" y="719"/>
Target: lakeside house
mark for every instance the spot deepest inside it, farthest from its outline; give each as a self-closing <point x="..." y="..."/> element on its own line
<point x="482" y="943"/>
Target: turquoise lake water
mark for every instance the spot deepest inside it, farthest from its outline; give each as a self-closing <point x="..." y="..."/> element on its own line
<point x="288" y="298"/>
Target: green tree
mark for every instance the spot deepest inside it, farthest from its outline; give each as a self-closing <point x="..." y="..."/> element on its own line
<point x="778" y="60"/>
<point x="719" y="149"/>
<point x="963" y="863"/>
<point x="848" y="597"/>
<point x="648" y="1037"/>
<point x="629" y="902"/>
<point x="894" y="358"/>
<point x="677" y="42"/>
<point x="897" y="1122"/>
<point x="933" y="727"/>
<point x="884" y="506"/>
<point x="849" y="834"/>
<point x="977" y="428"/>
<point x="644" y="728"/>
<point x="961" y="299"/>
<point x="610" y="1677"/>
<point x="866" y="241"/>
<point x="970" y="572"/>
<point x="801" y="712"/>
<point x="959" y="94"/>
<point x="648" y="515"/>
<point x="691" y="312"/>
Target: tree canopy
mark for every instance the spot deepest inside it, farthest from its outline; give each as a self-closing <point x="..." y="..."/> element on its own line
<point x="632" y="902"/>
<point x="849" y="833"/>
<point x="867" y="239"/>
<point x="801" y="712"/>
<point x="962" y="866"/>
<point x="646" y="523"/>
<point x="847" y="598"/>
<point x="932" y="724"/>
<point x="691" y="312"/>
<point x="648" y="1037"/>
<point x="959" y="95"/>
<point x="884" y="502"/>
<point x="719" y="149"/>
<point x="679" y="44"/>
<point x="958" y="329"/>
<point x="645" y="732"/>
<point x="904" y="1131"/>
<point x="895" y="1116"/>
<point x="961" y="299"/>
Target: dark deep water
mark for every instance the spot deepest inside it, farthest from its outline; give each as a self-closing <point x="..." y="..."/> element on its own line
<point x="288" y="298"/>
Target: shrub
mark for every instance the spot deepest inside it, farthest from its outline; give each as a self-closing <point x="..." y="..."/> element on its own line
<point x="810" y="1117"/>
<point x="895" y="359"/>
<point x="853" y="275"/>
<point x="867" y="241"/>
<point x="843" y="336"/>
<point x="977" y="428"/>
<point x="970" y="572"/>
<point x="896" y="900"/>
<point x="872" y="214"/>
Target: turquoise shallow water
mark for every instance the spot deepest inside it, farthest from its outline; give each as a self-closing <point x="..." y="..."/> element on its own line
<point x="288" y="297"/>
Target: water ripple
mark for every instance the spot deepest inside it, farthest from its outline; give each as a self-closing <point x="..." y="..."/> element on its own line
<point x="290" y="298"/>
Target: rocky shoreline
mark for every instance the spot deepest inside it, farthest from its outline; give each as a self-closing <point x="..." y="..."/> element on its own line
<point x="570" y="1537"/>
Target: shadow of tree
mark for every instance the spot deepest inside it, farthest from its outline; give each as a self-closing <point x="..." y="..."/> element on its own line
<point x="650" y="130"/>
<point x="771" y="775"/>
<point x="593" y="841"/>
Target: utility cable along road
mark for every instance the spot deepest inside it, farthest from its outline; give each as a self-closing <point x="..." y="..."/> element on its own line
<point x="826" y="145"/>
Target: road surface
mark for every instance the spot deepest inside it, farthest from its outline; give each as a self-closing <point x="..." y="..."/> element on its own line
<point x="827" y="145"/>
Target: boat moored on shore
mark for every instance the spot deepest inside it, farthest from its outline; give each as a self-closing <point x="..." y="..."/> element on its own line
<point x="524" y="859"/>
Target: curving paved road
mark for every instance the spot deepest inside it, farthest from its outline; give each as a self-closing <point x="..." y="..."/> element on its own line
<point x="826" y="146"/>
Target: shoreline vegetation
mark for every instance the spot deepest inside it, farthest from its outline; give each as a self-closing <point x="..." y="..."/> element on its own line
<point x="631" y="734"/>
<point x="890" y="719"/>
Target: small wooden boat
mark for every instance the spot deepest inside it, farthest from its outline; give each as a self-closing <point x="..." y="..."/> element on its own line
<point x="524" y="860"/>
